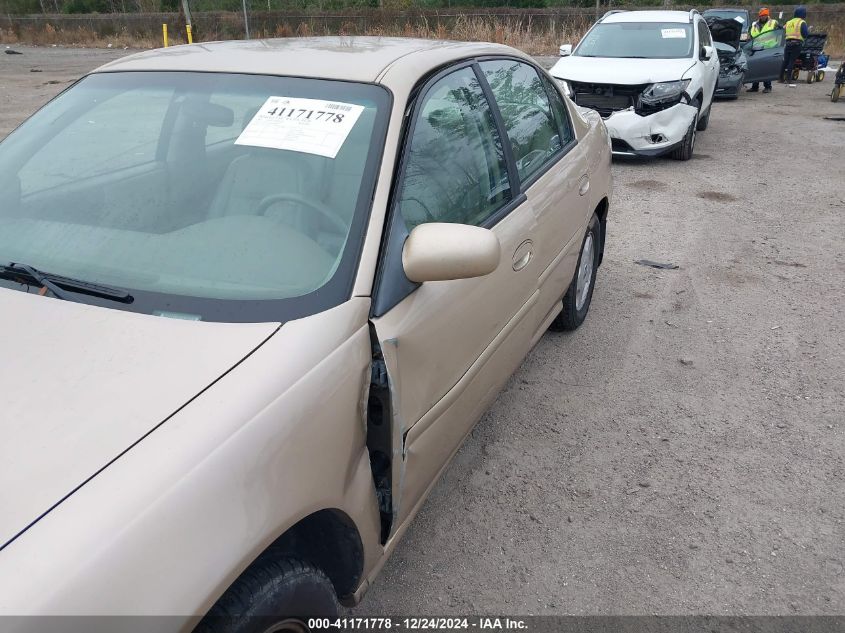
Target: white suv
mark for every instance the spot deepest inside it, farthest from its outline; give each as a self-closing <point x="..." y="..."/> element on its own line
<point x="650" y="74"/>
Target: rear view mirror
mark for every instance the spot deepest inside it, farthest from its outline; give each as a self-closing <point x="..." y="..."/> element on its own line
<point x="565" y="50"/>
<point x="440" y="251"/>
<point x="706" y="52"/>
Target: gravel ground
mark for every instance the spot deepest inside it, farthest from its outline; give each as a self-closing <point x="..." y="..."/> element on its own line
<point x="682" y="453"/>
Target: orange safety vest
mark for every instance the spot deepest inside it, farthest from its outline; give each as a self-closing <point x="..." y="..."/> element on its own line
<point x="793" y="29"/>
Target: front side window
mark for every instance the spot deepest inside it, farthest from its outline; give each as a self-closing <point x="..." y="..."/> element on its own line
<point x="455" y="169"/>
<point x="633" y="40"/>
<point x="704" y="38"/>
<point x="526" y="111"/>
<point x="206" y="195"/>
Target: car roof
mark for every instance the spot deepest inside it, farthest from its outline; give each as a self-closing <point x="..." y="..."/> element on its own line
<point x="648" y="16"/>
<point x="346" y="58"/>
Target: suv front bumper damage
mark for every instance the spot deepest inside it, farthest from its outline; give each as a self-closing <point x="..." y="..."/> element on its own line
<point x="635" y="135"/>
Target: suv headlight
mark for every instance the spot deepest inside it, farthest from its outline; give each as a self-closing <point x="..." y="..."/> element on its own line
<point x="664" y="91"/>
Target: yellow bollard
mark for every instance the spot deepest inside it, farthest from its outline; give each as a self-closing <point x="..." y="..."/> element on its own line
<point x="190" y="33"/>
<point x="164" y="34"/>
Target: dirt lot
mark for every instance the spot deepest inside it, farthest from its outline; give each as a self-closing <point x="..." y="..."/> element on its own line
<point x="683" y="451"/>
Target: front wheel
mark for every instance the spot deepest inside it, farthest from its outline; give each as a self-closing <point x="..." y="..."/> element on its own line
<point x="579" y="295"/>
<point x="273" y="595"/>
<point x="836" y="92"/>
<point x="820" y="75"/>
<point x="811" y="77"/>
<point x="685" y="149"/>
<point x="795" y="75"/>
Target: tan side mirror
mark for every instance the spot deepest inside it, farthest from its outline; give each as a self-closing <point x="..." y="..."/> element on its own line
<point x="439" y="251"/>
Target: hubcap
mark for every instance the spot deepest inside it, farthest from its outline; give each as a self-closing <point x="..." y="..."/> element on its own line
<point x="585" y="272"/>
<point x="288" y="625"/>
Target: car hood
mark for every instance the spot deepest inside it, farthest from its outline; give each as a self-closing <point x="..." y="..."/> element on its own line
<point x="725" y="31"/>
<point x="82" y="384"/>
<point x="630" y="72"/>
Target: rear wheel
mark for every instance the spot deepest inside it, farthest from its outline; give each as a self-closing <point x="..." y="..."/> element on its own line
<point x="795" y="74"/>
<point x="836" y="92"/>
<point x="579" y="295"/>
<point x="820" y="75"/>
<point x="811" y="77"/>
<point x="272" y="596"/>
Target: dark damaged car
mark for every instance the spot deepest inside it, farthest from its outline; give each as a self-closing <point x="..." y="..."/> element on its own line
<point x="733" y="64"/>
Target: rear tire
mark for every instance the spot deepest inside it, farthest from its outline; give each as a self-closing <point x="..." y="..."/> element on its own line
<point x="836" y="92"/>
<point x="579" y="295"/>
<point x="272" y="594"/>
<point x="820" y="75"/>
<point x="795" y="74"/>
<point x="811" y="77"/>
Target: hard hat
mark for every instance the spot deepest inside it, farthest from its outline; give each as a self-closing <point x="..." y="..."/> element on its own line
<point x="764" y="12"/>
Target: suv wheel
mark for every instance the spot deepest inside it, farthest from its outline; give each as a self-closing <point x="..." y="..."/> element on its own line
<point x="272" y="595"/>
<point x="576" y="301"/>
<point x="685" y="149"/>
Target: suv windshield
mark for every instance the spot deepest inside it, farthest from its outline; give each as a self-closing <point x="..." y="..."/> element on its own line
<point x="207" y="196"/>
<point x="652" y="40"/>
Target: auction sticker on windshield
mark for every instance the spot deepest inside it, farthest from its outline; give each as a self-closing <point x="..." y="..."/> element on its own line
<point x="673" y="33"/>
<point x="311" y="126"/>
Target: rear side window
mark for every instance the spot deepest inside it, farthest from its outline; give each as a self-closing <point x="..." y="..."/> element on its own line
<point x="455" y="170"/>
<point x="560" y="112"/>
<point x="526" y="111"/>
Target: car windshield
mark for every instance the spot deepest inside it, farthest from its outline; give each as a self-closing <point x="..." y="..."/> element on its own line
<point x="205" y="195"/>
<point x="652" y="40"/>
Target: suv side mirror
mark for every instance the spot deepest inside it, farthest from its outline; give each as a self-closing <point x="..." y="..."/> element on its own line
<point x="565" y="50"/>
<point x="706" y="52"/>
<point x="439" y="251"/>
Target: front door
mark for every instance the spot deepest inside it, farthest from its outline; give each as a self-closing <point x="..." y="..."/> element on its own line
<point x="765" y="56"/>
<point x="449" y="346"/>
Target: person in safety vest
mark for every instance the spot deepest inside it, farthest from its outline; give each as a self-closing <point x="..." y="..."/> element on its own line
<point x="764" y="24"/>
<point x="796" y="32"/>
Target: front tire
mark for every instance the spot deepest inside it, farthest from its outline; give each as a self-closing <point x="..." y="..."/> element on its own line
<point x="685" y="149"/>
<point x="579" y="295"/>
<point x="273" y="595"/>
<point x="836" y="92"/>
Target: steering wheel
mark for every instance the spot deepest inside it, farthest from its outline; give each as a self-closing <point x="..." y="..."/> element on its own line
<point x="322" y="209"/>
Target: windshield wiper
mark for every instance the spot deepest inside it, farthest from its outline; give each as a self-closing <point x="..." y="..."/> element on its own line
<point x="58" y="284"/>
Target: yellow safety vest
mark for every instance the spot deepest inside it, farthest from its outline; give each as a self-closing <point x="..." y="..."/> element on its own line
<point x="768" y="25"/>
<point x="793" y="29"/>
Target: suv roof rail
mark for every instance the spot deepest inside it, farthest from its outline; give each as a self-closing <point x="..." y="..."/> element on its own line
<point x="692" y="14"/>
<point x="611" y="12"/>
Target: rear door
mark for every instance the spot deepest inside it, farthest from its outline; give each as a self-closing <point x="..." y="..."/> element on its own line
<point x="765" y="56"/>
<point x="449" y="346"/>
<point x="552" y="170"/>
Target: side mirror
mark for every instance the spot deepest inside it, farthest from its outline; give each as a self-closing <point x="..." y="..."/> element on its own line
<point x="565" y="50"/>
<point x="757" y="48"/>
<point x="706" y="52"/>
<point x="439" y="251"/>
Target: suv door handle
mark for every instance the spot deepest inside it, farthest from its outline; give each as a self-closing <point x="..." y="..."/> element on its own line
<point x="584" y="185"/>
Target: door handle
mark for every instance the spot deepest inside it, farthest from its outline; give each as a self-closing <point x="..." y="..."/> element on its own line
<point x="584" y="185"/>
<point x="522" y="255"/>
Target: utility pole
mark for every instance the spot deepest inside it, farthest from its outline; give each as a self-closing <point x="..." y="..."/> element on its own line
<point x="246" y="20"/>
